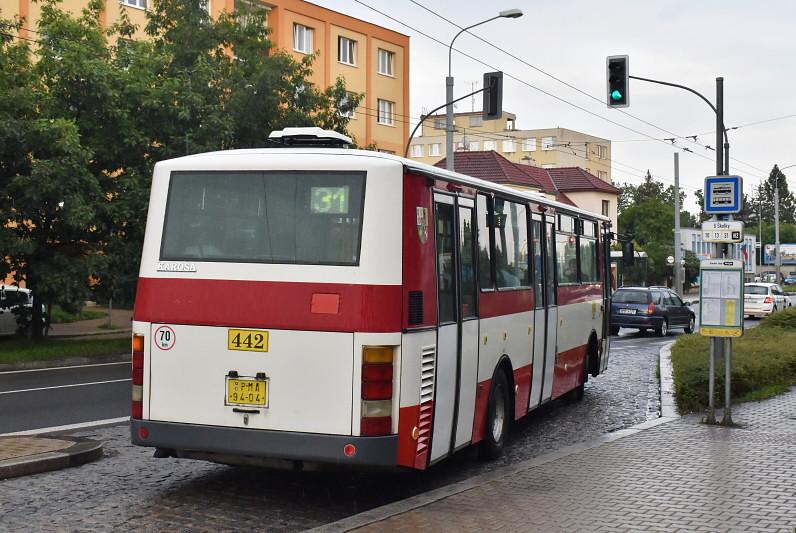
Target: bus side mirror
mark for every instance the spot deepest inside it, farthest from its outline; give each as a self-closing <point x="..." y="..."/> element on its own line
<point x="628" y="253"/>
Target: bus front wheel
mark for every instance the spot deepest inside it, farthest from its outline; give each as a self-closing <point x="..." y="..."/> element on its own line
<point x="498" y="417"/>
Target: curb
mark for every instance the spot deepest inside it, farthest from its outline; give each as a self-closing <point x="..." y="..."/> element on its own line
<point x="81" y="452"/>
<point x="668" y="404"/>
<point x="89" y="333"/>
<point x="71" y="361"/>
<point x="384" y="512"/>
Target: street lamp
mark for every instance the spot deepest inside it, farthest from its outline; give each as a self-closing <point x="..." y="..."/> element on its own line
<point x="508" y="14"/>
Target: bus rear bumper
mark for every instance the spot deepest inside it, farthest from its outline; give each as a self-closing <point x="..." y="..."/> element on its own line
<point x="259" y="443"/>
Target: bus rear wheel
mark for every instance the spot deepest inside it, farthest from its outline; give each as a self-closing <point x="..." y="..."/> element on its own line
<point x="498" y="418"/>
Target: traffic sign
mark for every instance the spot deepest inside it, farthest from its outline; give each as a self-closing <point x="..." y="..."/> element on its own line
<point x="723" y="194"/>
<point x="721" y="298"/>
<point x="722" y="231"/>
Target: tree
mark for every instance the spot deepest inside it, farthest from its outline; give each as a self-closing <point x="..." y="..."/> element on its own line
<point x="83" y="121"/>
<point x="763" y="201"/>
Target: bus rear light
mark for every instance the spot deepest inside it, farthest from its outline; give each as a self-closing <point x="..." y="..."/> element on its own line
<point x="371" y="427"/>
<point x="375" y="409"/>
<point x="372" y="372"/>
<point x="377" y="390"/>
<point x="377" y="354"/>
<point x="137" y="407"/>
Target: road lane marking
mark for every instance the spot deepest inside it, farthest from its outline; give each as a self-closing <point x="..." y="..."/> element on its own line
<point x="63" y="367"/>
<point x="66" y="386"/>
<point x="68" y="427"/>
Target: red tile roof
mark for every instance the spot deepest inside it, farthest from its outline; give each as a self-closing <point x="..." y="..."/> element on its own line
<point x="492" y="166"/>
<point x="574" y="179"/>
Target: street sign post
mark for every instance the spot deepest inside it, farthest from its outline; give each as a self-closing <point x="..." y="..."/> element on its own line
<point x="725" y="231"/>
<point x="723" y="195"/>
<point x="721" y="298"/>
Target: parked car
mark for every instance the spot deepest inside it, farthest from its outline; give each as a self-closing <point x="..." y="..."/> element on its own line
<point x="650" y="308"/>
<point x="16" y="302"/>
<point x="762" y="299"/>
<point x="790" y="279"/>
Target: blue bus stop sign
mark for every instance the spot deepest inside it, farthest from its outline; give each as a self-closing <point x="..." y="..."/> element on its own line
<point x="723" y="195"/>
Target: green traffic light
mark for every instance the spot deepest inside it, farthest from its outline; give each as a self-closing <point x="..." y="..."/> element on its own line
<point x="616" y="95"/>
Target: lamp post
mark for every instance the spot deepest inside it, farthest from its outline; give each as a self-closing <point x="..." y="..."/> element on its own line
<point x="510" y="14"/>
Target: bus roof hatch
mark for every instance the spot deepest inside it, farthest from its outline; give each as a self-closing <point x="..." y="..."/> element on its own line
<point x="310" y="137"/>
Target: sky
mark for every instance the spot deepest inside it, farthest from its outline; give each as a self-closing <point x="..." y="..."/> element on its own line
<point x="750" y="44"/>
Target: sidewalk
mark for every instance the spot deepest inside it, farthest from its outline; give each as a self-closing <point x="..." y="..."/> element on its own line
<point x="671" y="474"/>
<point x="23" y="455"/>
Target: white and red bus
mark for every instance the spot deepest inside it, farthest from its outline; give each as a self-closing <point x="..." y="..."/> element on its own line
<point x="324" y="304"/>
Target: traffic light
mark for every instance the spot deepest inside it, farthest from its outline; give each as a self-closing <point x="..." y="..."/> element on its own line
<point x="618" y="85"/>
<point x="628" y="253"/>
<point x="493" y="96"/>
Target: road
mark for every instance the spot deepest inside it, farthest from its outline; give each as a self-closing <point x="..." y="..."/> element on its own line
<point x="180" y="494"/>
<point x="45" y="398"/>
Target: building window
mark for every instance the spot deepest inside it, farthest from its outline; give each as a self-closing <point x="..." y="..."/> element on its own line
<point x="433" y="149"/>
<point x="391" y="152"/>
<point x="417" y="150"/>
<point x="508" y="145"/>
<point x="474" y="146"/>
<point x="510" y="124"/>
<point x="460" y="146"/>
<point x="302" y="39"/>
<point x="386" y="62"/>
<point x="342" y="105"/>
<point x="489" y="145"/>
<point x="386" y="110"/>
<point x="346" y="51"/>
<point x="135" y="3"/>
<point x="606" y="207"/>
<point x="529" y="144"/>
<point x="439" y="123"/>
<point x="548" y="142"/>
<point x="475" y="121"/>
<point x="548" y="166"/>
<point x="603" y="175"/>
<point x="602" y="151"/>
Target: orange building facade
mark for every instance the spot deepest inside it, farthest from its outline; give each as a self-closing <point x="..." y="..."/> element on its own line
<point x="373" y="60"/>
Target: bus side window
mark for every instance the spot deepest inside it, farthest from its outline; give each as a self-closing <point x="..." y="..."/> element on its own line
<point x="485" y="216"/>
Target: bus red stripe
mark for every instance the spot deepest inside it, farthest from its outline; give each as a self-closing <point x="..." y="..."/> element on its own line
<point x="498" y="303"/>
<point x="267" y="304"/>
<point x="575" y="294"/>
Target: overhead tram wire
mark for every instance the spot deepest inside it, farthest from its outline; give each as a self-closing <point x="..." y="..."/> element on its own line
<point x="513" y="56"/>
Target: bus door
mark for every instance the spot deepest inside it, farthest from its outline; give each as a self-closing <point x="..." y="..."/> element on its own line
<point x="457" y="330"/>
<point x="605" y="276"/>
<point x="546" y="312"/>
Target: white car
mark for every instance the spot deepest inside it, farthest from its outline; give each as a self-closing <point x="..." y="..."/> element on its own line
<point x="11" y="298"/>
<point x="762" y="299"/>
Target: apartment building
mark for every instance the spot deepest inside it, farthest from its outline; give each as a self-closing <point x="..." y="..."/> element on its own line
<point x="373" y="60"/>
<point x="545" y="148"/>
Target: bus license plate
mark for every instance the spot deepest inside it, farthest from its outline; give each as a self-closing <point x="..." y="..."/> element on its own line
<point x="247" y="340"/>
<point x="247" y="391"/>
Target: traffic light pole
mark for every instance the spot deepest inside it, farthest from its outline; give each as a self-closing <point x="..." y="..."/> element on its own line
<point x="718" y="345"/>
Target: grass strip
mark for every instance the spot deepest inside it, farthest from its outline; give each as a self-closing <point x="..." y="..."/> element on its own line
<point x="763" y="364"/>
<point x="59" y="316"/>
<point x="16" y="350"/>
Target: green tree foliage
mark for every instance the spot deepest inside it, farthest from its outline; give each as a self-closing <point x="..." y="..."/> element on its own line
<point x="86" y="112"/>
<point x="647" y="218"/>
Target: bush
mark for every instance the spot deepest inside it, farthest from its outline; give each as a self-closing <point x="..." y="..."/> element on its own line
<point x="781" y="319"/>
<point x="763" y="365"/>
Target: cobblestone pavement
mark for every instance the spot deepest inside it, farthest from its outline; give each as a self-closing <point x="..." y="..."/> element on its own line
<point x="128" y="489"/>
<point x="679" y="476"/>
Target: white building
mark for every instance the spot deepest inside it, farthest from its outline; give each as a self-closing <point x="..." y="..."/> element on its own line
<point x="691" y="240"/>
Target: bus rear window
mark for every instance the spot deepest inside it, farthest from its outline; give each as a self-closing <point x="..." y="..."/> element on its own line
<point x="264" y="217"/>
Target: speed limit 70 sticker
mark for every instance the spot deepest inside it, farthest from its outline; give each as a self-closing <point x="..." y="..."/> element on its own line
<point x="164" y="338"/>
